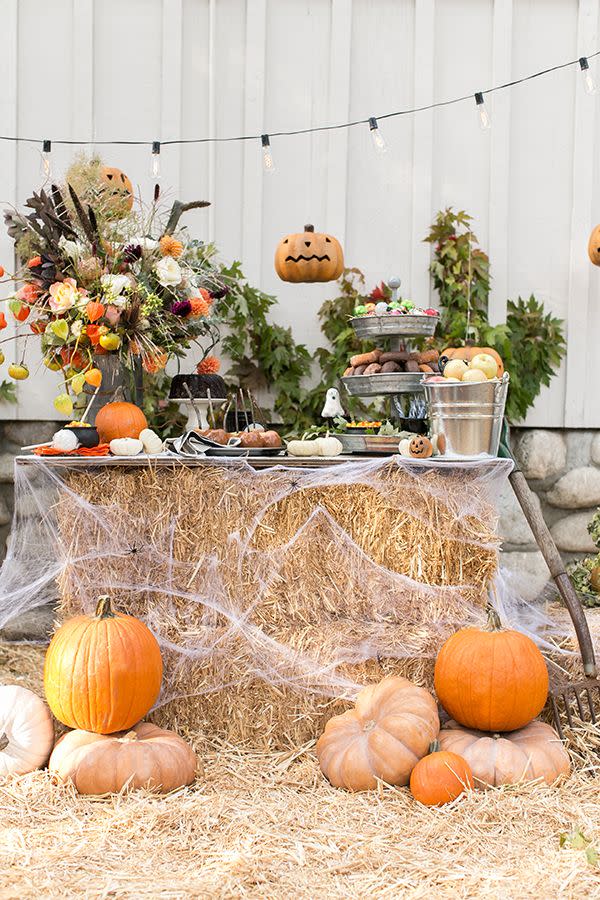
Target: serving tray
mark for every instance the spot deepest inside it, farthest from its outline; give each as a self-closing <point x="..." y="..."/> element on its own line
<point x="383" y="383"/>
<point x="385" y="326"/>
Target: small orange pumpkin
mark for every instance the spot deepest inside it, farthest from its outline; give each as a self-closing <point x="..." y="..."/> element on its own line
<point x="492" y="680"/>
<point x="309" y="256"/>
<point x="115" y="190"/>
<point x="102" y="673"/>
<point x="383" y="737"/>
<point x="467" y="353"/>
<point x="594" y="246"/>
<point x="120" y="419"/>
<point x="440" y="777"/>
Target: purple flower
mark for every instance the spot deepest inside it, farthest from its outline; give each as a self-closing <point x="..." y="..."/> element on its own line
<point x="181" y="308"/>
<point x="132" y="252"/>
<point x="222" y="292"/>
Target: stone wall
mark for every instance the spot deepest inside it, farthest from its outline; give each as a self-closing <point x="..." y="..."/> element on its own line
<point x="563" y="468"/>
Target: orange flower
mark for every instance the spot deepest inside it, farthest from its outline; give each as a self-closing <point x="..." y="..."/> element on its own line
<point x="206" y="296"/>
<point x="28" y="293"/>
<point x="134" y="347"/>
<point x="1" y="271"/>
<point x="34" y="261"/>
<point x="200" y="307"/>
<point x="170" y="246"/>
<point x="208" y="366"/>
<point x="3" y="322"/>
<point x="94" y="310"/>
<point x="37" y="327"/>
<point x="93" y="332"/>
<point x="94" y="377"/>
<point x="21" y="313"/>
<point x="74" y="358"/>
<point x="156" y="363"/>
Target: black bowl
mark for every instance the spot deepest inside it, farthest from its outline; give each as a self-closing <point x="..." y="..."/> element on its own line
<point x="87" y="437"/>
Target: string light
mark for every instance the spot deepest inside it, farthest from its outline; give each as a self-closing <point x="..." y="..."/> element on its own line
<point x="155" y="160"/>
<point x="376" y="136"/>
<point x="588" y="80"/>
<point x="45" y="161"/>
<point x="484" y="116"/>
<point x="268" y="163"/>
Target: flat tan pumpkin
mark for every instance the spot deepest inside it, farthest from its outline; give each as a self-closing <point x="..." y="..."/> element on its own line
<point x="383" y="737"/>
<point x="531" y="753"/>
<point x="26" y="730"/>
<point x="144" y="757"/>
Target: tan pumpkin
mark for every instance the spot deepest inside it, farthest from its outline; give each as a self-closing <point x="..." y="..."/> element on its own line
<point x="531" y="753"/>
<point x="491" y="679"/>
<point x="383" y="737"/>
<point x="102" y="673"/>
<point x="144" y="757"/>
<point x="120" y="419"/>
<point x="467" y="354"/>
<point x="26" y="731"/>
<point x="309" y="256"/>
<point x="115" y="190"/>
<point x="594" y="246"/>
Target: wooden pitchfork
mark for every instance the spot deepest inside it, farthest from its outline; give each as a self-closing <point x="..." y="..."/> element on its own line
<point x="569" y="698"/>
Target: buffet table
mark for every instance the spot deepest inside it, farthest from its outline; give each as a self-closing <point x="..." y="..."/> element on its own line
<point x="275" y="586"/>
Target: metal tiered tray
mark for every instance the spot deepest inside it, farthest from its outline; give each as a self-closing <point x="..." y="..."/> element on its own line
<point x="383" y="383"/>
<point x="387" y="326"/>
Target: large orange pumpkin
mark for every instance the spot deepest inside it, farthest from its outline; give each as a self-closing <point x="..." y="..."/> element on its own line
<point x="531" y="753"/>
<point x="102" y="673"/>
<point x="492" y="680"/>
<point x="145" y="757"/>
<point x="440" y="777"/>
<point x="120" y="419"/>
<point x="467" y="353"/>
<point x="115" y="190"/>
<point x="309" y="256"/>
<point x="383" y="737"/>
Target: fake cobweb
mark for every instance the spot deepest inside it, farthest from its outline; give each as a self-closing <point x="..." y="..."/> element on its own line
<point x="274" y="594"/>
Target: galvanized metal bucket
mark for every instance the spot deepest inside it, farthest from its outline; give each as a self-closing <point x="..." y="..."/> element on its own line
<point x="467" y="418"/>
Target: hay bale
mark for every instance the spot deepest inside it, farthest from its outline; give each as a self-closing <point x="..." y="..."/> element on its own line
<point x="275" y="595"/>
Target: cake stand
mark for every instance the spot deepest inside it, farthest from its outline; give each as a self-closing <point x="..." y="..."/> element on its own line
<point x="202" y="405"/>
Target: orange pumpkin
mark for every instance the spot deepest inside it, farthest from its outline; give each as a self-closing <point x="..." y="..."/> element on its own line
<point x="102" y="673"/>
<point x="440" y="777"/>
<point x="492" y="680"/>
<point x="115" y="191"/>
<point x="309" y="256"/>
<point x="594" y="246"/>
<point x="388" y="731"/>
<point x="528" y="754"/>
<point x="120" y="419"/>
<point x="145" y="757"/>
<point x="467" y="353"/>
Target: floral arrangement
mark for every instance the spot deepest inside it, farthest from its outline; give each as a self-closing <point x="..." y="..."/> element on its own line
<point x="98" y="277"/>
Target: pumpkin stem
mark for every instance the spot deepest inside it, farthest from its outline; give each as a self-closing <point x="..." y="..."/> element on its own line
<point x="104" y="608"/>
<point x="434" y="746"/>
<point x="4" y="742"/>
<point x="130" y="736"/>
<point x="494" y="623"/>
<point x="309" y="227"/>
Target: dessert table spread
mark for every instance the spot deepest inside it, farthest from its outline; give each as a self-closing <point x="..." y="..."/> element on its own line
<point x="276" y="586"/>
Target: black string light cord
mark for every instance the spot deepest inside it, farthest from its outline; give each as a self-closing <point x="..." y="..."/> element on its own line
<point x="582" y="62"/>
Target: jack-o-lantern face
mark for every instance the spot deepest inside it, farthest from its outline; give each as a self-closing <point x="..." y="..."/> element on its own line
<point x="115" y="190"/>
<point x="309" y="256"/>
<point x="420" y="447"/>
<point x="594" y="246"/>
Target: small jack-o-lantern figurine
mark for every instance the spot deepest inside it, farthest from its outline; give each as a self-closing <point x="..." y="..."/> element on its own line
<point x="309" y="256"/>
<point x="594" y="246"/>
<point x="420" y="447"/>
<point x="115" y="190"/>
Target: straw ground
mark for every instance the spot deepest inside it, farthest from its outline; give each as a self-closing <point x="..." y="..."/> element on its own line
<point x="267" y="825"/>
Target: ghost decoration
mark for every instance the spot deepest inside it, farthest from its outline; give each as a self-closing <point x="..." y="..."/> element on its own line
<point x="333" y="405"/>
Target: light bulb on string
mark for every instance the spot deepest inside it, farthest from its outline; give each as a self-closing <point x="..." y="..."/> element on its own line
<point x="484" y="116"/>
<point x="155" y="161"/>
<point x="267" y="155"/>
<point x="588" y="79"/>
<point x="376" y="136"/>
<point x="46" y="161"/>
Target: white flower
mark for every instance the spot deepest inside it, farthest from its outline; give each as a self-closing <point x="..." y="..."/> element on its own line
<point x="73" y="249"/>
<point x="168" y="271"/>
<point x="76" y="327"/>
<point x="114" y="284"/>
<point x="145" y="243"/>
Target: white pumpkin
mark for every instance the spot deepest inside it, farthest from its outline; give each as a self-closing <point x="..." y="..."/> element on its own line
<point x="302" y="448"/>
<point x="151" y="442"/>
<point x="325" y="446"/>
<point x="126" y="446"/>
<point x="329" y="446"/>
<point x="26" y="730"/>
<point x="404" y="447"/>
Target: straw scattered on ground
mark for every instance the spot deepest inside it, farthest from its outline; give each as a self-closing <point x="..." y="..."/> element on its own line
<point x="268" y="825"/>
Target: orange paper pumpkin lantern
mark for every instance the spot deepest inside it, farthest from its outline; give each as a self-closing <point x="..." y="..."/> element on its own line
<point x="115" y="190"/>
<point x="309" y="256"/>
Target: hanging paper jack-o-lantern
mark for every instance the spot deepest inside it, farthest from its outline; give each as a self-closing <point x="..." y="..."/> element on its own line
<point x="594" y="246"/>
<point x="116" y="190"/>
<point x="309" y="256"/>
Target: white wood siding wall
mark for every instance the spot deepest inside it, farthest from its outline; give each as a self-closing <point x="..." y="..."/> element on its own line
<point x="146" y="69"/>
